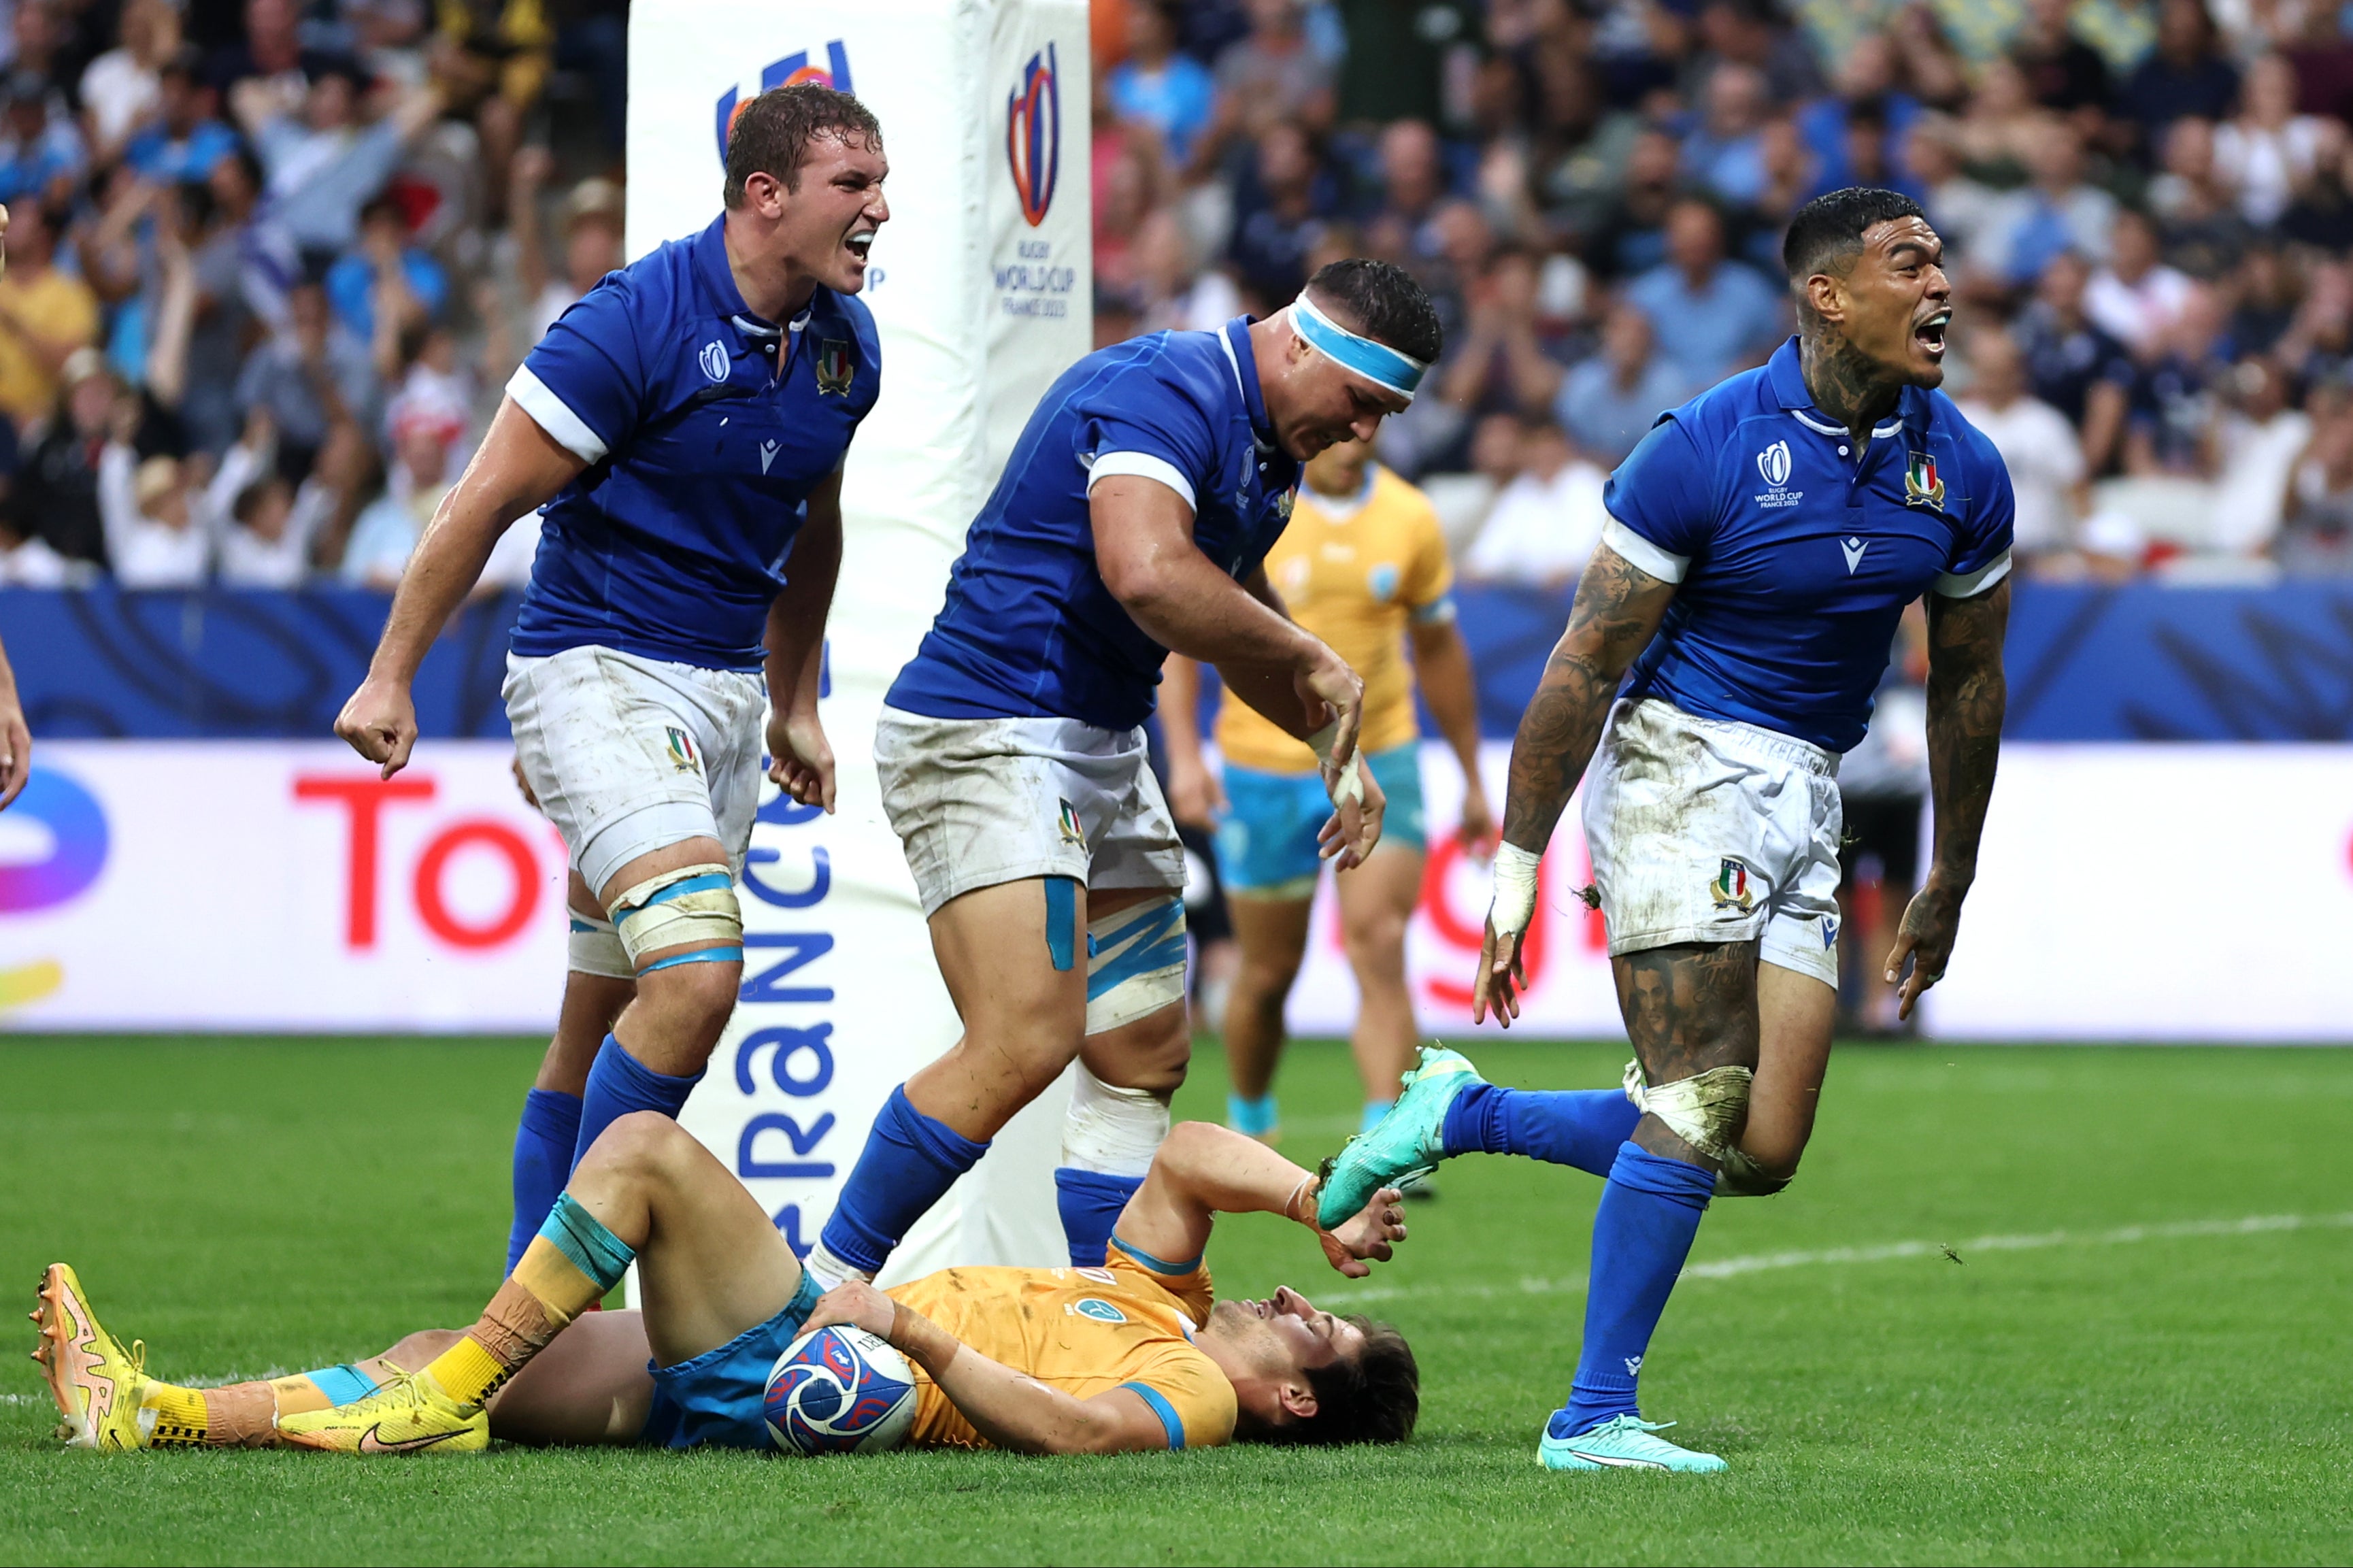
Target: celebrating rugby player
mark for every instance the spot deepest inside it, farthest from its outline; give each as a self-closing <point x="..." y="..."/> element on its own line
<point x="1131" y="519"/>
<point x="1721" y="651"/>
<point x="682" y="427"/>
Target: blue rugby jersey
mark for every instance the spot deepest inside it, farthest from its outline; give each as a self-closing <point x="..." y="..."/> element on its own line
<point x="1795" y="554"/>
<point x="704" y="430"/>
<point x="1028" y="629"/>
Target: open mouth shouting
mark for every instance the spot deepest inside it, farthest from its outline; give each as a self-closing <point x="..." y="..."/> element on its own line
<point x="1929" y="333"/>
<point x="860" y="242"/>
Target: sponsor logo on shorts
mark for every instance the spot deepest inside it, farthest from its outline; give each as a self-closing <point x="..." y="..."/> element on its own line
<point x="837" y="367"/>
<point x="1100" y="1311"/>
<point x="1072" y="833"/>
<point x="1730" y="889"/>
<point x="1829" y="934"/>
<point x="683" y="754"/>
<point x="1921" y="485"/>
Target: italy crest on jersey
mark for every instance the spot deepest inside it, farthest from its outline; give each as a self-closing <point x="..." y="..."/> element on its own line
<point x="1921" y="485"/>
<point x="837" y="367"/>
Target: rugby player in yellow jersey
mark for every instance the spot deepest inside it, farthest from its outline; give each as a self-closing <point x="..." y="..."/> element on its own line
<point x="1363" y="566"/>
<point x="1134" y="1356"/>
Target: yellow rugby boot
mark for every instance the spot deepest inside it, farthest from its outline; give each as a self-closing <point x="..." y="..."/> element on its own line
<point x="97" y="1384"/>
<point x="410" y="1415"/>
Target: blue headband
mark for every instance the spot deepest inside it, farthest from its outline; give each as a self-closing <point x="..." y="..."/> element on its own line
<point x="1376" y="362"/>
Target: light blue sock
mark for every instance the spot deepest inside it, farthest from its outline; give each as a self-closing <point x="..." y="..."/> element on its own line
<point x="1374" y="1110"/>
<point x="1255" y="1118"/>
<point x="619" y="1084"/>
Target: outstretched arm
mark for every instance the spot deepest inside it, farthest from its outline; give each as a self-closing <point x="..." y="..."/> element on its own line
<point x="1203" y="1170"/>
<point x="1618" y="607"/>
<point x="518" y="468"/>
<point x="800" y="758"/>
<point x="1967" y="695"/>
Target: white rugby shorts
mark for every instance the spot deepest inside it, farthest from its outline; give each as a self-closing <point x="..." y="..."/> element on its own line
<point x="1706" y="830"/>
<point x="629" y="756"/>
<point x="978" y="802"/>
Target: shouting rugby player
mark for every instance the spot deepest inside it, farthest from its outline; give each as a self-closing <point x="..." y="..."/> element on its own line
<point x="682" y="427"/>
<point x="1131" y="519"/>
<point x="1721" y="651"/>
<point x="1142" y="1356"/>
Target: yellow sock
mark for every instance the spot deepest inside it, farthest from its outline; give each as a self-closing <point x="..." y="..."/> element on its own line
<point x="571" y="1263"/>
<point x="180" y="1417"/>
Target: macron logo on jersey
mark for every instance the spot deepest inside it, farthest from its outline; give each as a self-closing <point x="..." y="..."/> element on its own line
<point x="768" y="455"/>
<point x="1853" y="548"/>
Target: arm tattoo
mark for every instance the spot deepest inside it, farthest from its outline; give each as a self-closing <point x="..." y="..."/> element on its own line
<point x="1966" y="694"/>
<point x="1617" y="606"/>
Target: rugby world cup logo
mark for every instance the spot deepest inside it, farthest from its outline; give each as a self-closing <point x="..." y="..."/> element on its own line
<point x="1773" y="463"/>
<point x="790" y="71"/>
<point x="1033" y="135"/>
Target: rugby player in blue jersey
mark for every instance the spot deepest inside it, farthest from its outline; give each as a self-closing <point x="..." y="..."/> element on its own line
<point x="682" y="429"/>
<point x="1132" y="518"/>
<point x="1721" y="651"/>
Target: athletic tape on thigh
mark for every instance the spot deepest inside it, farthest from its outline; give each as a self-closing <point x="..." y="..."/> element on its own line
<point x="1114" y="1130"/>
<point x="693" y="903"/>
<point x="1135" y="962"/>
<point x="594" y="948"/>
<point x="1705" y="1112"/>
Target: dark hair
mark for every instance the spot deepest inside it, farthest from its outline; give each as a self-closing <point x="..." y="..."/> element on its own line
<point x="1827" y="234"/>
<point x="1385" y="302"/>
<point x="1373" y="1396"/>
<point x="771" y="134"/>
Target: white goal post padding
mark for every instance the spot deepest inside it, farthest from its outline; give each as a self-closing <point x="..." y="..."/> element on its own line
<point x="981" y="284"/>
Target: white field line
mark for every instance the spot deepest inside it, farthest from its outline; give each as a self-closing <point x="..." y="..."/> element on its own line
<point x="1888" y="1252"/>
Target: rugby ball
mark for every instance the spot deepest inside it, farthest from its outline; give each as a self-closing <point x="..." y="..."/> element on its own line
<point x="840" y="1390"/>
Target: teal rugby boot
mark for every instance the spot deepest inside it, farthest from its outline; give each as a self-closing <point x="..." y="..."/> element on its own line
<point x="1622" y="1443"/>
<point x="1403" y="1146"/>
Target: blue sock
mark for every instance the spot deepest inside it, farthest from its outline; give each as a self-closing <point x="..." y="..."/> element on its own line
<point x="617" y="1084"/>
<point x="1649" y="1212"/>
<point x="545" y="1140"/>
<point x="1374" y="1110"/>
<point x="1091" y="1202"/>
<point x="1579" y="1127"/>
<point x="1254" y="1118"/>
<point x="909" y="1161"/>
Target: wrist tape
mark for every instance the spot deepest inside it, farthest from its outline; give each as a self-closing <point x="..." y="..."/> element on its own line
<point x="1349" y="785"/>
<point x="1515" y="900"/>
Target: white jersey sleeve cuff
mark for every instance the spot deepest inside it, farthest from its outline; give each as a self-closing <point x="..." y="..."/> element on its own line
<point x="1641" y="553"/>
<point x="1142" y="466"/>
<point x="1969" y="584"/>
<point x="548" y="412"/>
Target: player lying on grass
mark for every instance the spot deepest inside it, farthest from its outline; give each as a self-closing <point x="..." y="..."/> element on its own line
<point x="1135" y="1355"/>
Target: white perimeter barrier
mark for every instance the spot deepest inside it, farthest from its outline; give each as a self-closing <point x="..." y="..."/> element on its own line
<point x="2126" y="892"/>
<point x="982" y="287"/>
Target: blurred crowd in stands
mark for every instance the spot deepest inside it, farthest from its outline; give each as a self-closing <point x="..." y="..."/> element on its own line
<point x="270" y="261"/>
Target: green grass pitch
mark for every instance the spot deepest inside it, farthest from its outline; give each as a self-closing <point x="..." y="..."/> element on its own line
<point x="2141" y="1353"/>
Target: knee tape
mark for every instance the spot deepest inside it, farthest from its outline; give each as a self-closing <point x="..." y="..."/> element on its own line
<point x="594" y="948"/>
<point x="693" y="903"/>
<point x="1114" y="1130"/>
<point x="1705" y="1112"/>
<point x="1135" y="962"/>
<point x="1739" y="1176"/>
